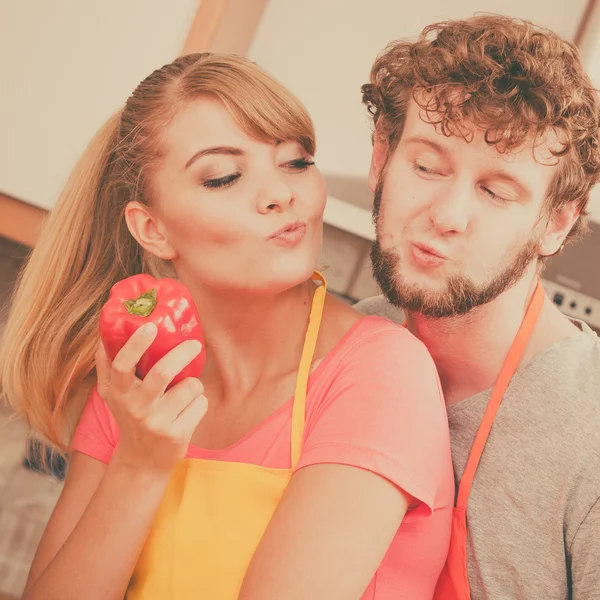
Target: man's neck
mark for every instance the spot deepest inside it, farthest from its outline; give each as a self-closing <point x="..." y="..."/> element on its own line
<point x="469" y="350"/>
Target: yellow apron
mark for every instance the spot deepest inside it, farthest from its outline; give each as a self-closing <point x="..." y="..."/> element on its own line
<point x="214" y="513"/>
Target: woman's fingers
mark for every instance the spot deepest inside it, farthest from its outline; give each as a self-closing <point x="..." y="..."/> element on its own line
<point x="177" y="399"/>
<point x="122" y="372"/>
<point x="171" y="364"/>
<point x="190" y="416"/>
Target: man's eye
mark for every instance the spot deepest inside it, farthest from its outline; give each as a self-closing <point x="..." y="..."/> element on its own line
<point x="492" y="195"/>
<point x="421" y="169"/>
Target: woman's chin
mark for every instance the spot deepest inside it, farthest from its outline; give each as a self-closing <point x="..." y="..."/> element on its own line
<point x="289" y="274"/>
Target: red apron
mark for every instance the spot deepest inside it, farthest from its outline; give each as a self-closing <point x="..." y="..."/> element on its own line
<point x="453" y="583"/>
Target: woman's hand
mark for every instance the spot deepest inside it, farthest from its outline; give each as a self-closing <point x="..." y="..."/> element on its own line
<point x="155" y="426"/>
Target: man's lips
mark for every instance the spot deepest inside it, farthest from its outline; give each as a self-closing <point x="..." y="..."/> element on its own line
<point x="430" y="250"/>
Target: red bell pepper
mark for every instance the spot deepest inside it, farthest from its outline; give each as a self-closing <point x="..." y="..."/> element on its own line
<point x="167" y="303"/>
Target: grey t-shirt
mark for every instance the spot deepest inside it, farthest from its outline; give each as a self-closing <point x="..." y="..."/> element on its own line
<point x="534" y="510"/>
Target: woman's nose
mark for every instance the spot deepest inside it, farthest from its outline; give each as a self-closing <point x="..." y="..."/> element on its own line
<point x="277" y="195"/>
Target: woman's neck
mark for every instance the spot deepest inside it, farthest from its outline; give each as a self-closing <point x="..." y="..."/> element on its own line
<point x="252" y="338"/>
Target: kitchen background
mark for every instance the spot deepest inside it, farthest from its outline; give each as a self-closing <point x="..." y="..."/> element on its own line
<point x="67" y="65"/>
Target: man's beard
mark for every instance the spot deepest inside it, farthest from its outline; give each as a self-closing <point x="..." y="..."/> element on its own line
<point x="461" y="294"/>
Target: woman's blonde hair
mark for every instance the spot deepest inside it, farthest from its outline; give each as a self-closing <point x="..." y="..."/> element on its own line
<point x="47" y="357"/>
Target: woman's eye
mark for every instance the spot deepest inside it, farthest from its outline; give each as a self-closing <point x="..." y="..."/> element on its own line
<point x="221" y="182"/>
<point x="300" y="164"/>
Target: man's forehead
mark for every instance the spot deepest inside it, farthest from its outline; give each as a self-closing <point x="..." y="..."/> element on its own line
<point x="428" y="124"/>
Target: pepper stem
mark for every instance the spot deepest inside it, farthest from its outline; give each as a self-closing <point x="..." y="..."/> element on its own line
<point x="142" y="306"/>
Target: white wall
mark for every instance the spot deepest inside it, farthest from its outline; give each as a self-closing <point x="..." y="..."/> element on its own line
<point x="323" y="51"/>
<point x="66" y="66"/>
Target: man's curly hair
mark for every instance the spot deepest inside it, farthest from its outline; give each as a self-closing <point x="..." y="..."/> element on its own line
<point x="506" y="76"/>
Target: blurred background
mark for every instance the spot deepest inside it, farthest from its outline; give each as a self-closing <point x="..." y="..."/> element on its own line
<point x="68" y="65"/>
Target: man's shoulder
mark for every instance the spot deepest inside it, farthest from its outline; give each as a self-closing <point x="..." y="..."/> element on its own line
<point x="559" y="390"/>
<point x="574" y="364"/>
<point x="379" y="305"/>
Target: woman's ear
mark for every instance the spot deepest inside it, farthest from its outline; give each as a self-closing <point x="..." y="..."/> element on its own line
<point x="146" y="229"/>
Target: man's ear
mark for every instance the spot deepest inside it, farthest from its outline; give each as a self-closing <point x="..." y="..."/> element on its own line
<point x="558" y="227"/>
<point x="380" y="150"/>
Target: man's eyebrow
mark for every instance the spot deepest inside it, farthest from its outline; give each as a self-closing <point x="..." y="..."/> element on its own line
<point x="426" y="141"/>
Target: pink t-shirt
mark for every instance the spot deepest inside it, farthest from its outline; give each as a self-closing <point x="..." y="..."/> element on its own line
<point x="374" y="402"/>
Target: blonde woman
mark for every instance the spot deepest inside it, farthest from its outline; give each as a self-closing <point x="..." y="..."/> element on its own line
<point x="312" y="460"/>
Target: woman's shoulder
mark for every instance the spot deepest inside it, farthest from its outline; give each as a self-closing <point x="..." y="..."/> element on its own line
<point x="374" y="333"/>
<point x="353" y="336"/>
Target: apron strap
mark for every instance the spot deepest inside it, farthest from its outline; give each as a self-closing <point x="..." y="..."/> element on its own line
<point x="308" y="351"/>
<point x="508" y="369"/>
